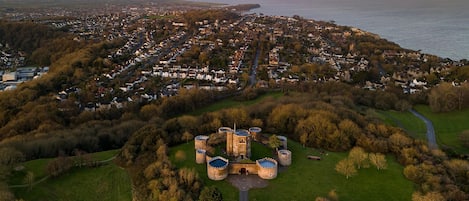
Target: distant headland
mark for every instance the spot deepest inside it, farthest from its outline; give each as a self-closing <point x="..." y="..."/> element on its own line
<point x="244" y="7"/>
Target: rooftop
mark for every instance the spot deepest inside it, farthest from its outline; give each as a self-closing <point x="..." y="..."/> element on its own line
<point x="242" y="132"/>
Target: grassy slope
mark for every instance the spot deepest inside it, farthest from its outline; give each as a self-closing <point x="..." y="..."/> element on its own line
<point x="230" y="103"/>
<point x="448" y="126"/>
<point x="413" y="125"/>
<point x="307" y="179"/>
<point x="108" y="182"/>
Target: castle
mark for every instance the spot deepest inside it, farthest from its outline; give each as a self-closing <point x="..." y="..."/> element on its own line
<point x="238" y="147"/>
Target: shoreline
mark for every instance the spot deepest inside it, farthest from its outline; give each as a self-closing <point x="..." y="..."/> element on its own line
<point x="448" y="41"/>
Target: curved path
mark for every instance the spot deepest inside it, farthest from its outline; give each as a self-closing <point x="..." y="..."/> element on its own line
<point x="430" y="130"/>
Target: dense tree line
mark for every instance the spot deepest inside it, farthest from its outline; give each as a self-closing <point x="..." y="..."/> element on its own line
<point x="27" y="36"/>
<point x="191" y="17"/>
<point x="43" y="45"/>
<point x="445" y="97"/>
<point x="90" y="137"/>
<point x="31" y="107"/>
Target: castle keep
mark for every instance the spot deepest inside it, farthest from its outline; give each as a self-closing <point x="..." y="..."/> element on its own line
<point x="238" y="147"/>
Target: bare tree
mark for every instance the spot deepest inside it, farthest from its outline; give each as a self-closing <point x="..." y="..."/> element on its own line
<point x="186" y="136"/>
<point x="359" y="157"/>
<point x="378" y="160"/>
<point x="346" y="167"/>
<point x="29" y="180"/>
<point x="304" y="139"/>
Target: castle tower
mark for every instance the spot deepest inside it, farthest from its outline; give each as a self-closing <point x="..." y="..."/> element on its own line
<point x="200" y="155"/>
<point x="283" y="141"/>
<point x="200" y="142"/>
<point x="217" y="168"/>
<point x="267" y="168"/>
<point x="229" y="139"/>
<point x="284" y="157"/>
<point x="241" y="144"/>
<point x="255" y="133"/>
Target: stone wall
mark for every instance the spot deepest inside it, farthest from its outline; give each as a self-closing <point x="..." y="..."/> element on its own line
<point x="217" y="173"/>
<point x="200" y="156"/>
<point x="235" y="168"/>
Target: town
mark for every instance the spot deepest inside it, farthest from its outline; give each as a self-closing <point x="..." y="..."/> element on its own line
<point x="221" y="53"/>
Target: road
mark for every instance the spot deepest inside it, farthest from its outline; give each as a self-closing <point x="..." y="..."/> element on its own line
<point x="252" y="76"/>
<point x="430" y="130"/>
<point x="243" y="195"/>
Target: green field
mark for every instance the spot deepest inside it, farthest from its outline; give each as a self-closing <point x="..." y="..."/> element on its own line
<point x="306" y="179"/>
<point x="107" y="182"/>
<point x="230" y="103"/>
<point x="448" y="126"/>
<point x="406" y="120"/>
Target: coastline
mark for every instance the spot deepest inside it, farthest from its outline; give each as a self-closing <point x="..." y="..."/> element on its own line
<point x="408" y="24"/>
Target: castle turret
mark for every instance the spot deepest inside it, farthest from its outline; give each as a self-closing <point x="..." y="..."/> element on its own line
<point x="200" y="155"/>
<point x="200" y="142"/>
<point x="255" y="133"/>
<point x="217" y="168"/>
<point x="229" y="139"/>
<point x="267" y="168"/>
<point x="283" y="141"/>
<point x="284" y="157"/>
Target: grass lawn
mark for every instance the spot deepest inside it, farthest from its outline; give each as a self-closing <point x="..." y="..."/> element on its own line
<point x="105" y="154"/>
<point x="107" y="182"/>
<point x="38" y="167"/>
<point x="230" y="102"/>
<point x="410" y="123"/>
<point x="306" y="179"/>
<point x="448" y="126"/>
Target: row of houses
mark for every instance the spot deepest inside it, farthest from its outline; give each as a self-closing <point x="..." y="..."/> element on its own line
<point x="10" y="58"/>
<point x="12" y="78"/>
<point x="195" y="73"/>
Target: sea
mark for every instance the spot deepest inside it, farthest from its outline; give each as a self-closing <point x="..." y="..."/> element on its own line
<point x="438" y="27"/>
